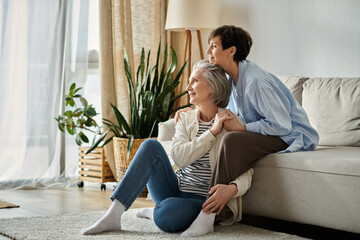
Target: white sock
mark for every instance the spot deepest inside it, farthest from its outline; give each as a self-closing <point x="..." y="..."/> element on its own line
<point x="146" y="213"/>
<point x="111" y="221"/>
<point x="202" y="225"/>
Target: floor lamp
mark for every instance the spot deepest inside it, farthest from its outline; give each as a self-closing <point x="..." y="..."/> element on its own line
<point x="191" y="16"/>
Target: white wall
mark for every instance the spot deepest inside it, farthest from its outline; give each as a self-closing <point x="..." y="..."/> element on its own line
<point x="300" y="37"/>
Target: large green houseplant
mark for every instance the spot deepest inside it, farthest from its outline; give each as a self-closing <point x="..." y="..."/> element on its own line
<point x="151" y="99"/>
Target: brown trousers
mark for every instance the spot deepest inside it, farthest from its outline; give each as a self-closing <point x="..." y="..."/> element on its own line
<point x="240" y="151"/>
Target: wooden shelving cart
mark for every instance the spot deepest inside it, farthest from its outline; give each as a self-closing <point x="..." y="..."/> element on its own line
<point x="94" y="167"/>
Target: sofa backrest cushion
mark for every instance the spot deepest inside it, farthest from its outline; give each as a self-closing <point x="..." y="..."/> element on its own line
<point x="294" y="84"/>
<point x="333" y="108"/>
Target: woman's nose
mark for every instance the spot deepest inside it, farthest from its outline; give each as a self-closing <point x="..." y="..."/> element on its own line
<point x="188" y="87"/>
<point x="208" y="50"/>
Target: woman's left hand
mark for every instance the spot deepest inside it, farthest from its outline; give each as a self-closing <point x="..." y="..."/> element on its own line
<point x="232" y="124"/>
<point x="218" y="124"/>
<point x="220" y="195"/>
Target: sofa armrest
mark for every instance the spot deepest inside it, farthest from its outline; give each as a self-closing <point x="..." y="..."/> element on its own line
<point x="166" y="130"/>
<point x="165" y="135"/>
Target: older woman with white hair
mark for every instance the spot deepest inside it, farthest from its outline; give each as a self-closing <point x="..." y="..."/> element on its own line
<point x="179" y="197"/>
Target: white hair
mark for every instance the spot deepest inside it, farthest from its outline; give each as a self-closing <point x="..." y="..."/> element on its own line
<point x="217" y="82"/>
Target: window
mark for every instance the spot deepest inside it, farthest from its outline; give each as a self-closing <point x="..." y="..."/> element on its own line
<point x="83" y="69"/>
<point x="44" y="47"/>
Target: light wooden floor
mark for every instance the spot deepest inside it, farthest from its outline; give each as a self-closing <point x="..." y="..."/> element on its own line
<point x="59" y="201"/>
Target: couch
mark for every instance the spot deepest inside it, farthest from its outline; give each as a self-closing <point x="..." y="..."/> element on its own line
<point x="320" y="187"/>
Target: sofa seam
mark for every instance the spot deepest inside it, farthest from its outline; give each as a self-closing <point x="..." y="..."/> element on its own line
<point x="302" y="170"/>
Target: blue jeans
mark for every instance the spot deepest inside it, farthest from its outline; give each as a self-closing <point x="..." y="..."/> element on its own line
<point x="174" y="210"/>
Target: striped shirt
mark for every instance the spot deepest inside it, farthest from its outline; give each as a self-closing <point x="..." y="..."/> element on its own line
<point x="195" y="178"/>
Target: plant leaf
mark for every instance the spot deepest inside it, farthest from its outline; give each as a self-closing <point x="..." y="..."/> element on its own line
<point x="71" y="102"/>
<point x="156" y="69"/>
<point x="147" y="62"/>
<point x="98" y="131"/>
<point x="114" y="129"/>
<point x="73" y="86"/>
<point x="90" y="122"/>
<point x="162" y="72"/>
<point x="178" y="75"/>
<point x="91" y="111"/>
<point x="61" y="126"/>
<point x="76" y="90"/>
<point x="173" y="99"/>
<point x="84" y="102"/>
<point x="152" y="129"/>
<point x="165" y="105"/>
<point x="130" y="142"/>
<point x="142" y="64"/>
<point x="70" y="129"/>
<point x="68" y="114"/>
<point x="108" y="140"/>
<point x="78" y="140"/>
<point x="97" y="142"/>
<point x="83" y="137"/>
<point x="121" y="120"/>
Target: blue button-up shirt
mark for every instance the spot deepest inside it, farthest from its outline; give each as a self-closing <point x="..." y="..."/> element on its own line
<point x="267" y="106"/>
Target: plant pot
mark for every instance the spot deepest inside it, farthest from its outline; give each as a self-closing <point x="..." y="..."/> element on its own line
<point x="121" y="161"/>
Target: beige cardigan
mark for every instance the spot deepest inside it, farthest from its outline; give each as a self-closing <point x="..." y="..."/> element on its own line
<point x="187" y="148"/>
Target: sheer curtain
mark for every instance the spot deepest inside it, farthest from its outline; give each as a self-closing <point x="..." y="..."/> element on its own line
<point x="82" y="67"/>
<point x="43" y="49"/>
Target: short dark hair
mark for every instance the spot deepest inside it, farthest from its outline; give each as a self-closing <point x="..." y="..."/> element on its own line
<point x="234" y="36"/>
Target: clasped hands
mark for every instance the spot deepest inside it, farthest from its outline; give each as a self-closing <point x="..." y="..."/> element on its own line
<point x="225" y="119"/>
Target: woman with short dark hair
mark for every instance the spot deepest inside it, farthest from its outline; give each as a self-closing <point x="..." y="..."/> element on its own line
<point x="274" y="121"/>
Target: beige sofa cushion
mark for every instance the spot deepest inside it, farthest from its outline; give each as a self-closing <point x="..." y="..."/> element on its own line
<point x="333" y="108"/>
<point x="294" y="84"/>
<point x="319" y="187"/>
<point x="325" y="159"/>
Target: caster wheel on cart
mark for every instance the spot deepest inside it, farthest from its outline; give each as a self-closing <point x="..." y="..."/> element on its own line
<point x="103" y="186"/>
<point x="80" y="184"/>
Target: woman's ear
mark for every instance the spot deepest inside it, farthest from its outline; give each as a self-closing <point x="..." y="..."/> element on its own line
<point x="211" y="93"/>
<point x="232" y="51"/>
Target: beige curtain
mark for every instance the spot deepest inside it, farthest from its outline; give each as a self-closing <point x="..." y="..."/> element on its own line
<point x="130" y="25"/>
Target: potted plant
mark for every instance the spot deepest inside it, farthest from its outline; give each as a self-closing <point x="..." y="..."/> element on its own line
<point x="151" y="100"/>
<point x="78" y="120"/>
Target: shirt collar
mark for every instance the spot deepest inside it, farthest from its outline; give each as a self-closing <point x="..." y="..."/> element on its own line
<point x="240" y="81"/>
<point x="241" y="71"/>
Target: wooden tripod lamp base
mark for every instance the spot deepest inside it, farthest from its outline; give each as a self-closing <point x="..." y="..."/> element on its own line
<point x="192" y="16"/>
<point x="187" y="52"/>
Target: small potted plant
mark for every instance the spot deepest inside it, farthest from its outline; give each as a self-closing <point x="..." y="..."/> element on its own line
<point x="79" y="120"/>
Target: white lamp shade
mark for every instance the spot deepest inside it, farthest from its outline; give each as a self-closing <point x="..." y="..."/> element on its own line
<point x="191" y="15"/>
